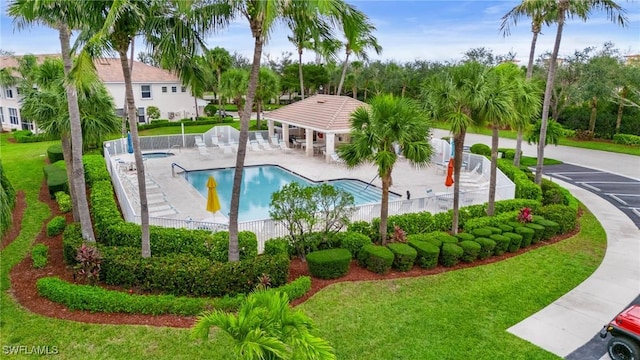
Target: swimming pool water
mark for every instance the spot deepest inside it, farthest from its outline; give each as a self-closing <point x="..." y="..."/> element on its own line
<point x="157" y="155"/>
<point x="259" y="182"/>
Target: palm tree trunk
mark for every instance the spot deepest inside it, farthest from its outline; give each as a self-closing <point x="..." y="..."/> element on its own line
<point x="65" y="141"/>
<point x="77" y="177"/>
<point x="258" y="110"/>
<point x="384" y="208"/>
<point x="535" y="30"/>
<point x="459" y="143"/>
<point x="219" y="73"/>
<point x="494" y="164"/>
<point x="592" y="117"/>
<point x="623" y="95"/>
<point x="344" y="73"/>
<point x="547" y="92"/>
<point x="137" y="153"/>
<point x="234" y="253"/>
<point x="195" y="101"/>
<point x="300" y="73"/>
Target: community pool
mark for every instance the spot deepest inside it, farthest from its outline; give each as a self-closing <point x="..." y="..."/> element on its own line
<point x="157" y="155"/>
<point x="259" y="182"/>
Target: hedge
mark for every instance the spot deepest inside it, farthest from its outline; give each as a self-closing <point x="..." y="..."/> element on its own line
<point x="354" y="242"/>
<point x="505" y="228"/>
<point x="278" y="246"/>
<point x="95" y="169"/>
<point x="482" y="232"/>
<point x="39" y="255"/>
<point x="64" y="201"/>
<point x="54" y="153"/>
<point x="376" y="258"/>
<point x="97" y="299"/>
<point x="525" y="188"/>
<point x="538" y="232"/>
<point x="465" y="236"/>
<point x="404" y="256"/>
<point x="527" y="235"/>
<point x="551" y="228"/>
<point x="626" y="139"/>
<point x="56" y="225"/>
<point x="494" y="229"/>
<point x="565" y="216"/>
<point x="329" y="264"/>
<point x="218" y="245"/>
<point x="486" y="247"/>
<point x="450" y="254"/>
<point x="515" y="241"/>
<point x="502" y="243"/>
<point x="480" y="149"/>
<point x="471" y="250"/>
<point x="26" y="136"/>
<point x="56" y="179"/>
<point x="427" y="253"/>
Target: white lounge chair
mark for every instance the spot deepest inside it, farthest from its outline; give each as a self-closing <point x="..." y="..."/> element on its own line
<point x="255" y="147"/>
<point x="215" y="141"/>
<point x="336" y="158"/>
<point x="199" y="142"/>
<point x="283" y="147"/>
<point x="226" y="149"/>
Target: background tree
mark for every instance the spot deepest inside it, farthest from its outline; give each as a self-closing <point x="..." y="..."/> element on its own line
<point x="268" y="88"/>
<point x="555" y="132"/>
<point x="220" y="60"/>
<point x="374" y="130"/>
<point x="233" y="85"/>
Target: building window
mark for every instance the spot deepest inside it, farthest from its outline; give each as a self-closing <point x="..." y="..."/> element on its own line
<point x="9" y="93"/>
<point x="183" y="89"/>
<point x="174" y="89"/>
<point x="13" y="116"/>
<point x="141" y="114"/>
<point x="1" y="114"/>
<point x="120" y="112"/>
<point x="145" y="91"/>
<point x="164" y="89"/>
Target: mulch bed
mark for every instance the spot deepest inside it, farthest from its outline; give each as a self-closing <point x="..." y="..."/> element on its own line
<point x="24" y="276"/>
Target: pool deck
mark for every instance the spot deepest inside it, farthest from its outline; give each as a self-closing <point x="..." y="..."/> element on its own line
<point x="174" y="198"/>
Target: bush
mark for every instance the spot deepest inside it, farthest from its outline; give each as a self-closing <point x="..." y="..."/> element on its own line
<point x="56" y="179"/>
<point x="71" y="242"/>
<point x="26" y="136"/>
<point x="480" y="149"/>
<point x="404" y="256"/>
<point x="494" y="229"/>
<point x="465" y="236"/>
<point x="527" y="235"/>
<point x="376" y="258"/>
<point x="515" y="241"/>
<point x="525" y="188"/>
<point x="482" y="232"/>
<point x="329" y="264"/>
<point x="39" y="255"/>
<point x="626" y="139"/>
<point x="89" y="263"/>
<point x="471" y="250"/>
<point x="278" y="246"/>
<point x="551" y="228"/>
<point x="502" y="243"/>
<point x="427" y="253"/>
<point x="218" y="246"/>
<point x="450" y="254"/>
<point x="538" y="232"/>
<point x="56" y="226"/>
<point x="565" y="216"/>
<point x="64" y="201"/>
<point x="486" y="247"/>
<point x="54" y="153"/>
<point x="95" y="169"/>
<point x="361" y="227"/>
<point x="505" y="228"/>
<point x="354" y="242"/>
<point x="444" y="237"/>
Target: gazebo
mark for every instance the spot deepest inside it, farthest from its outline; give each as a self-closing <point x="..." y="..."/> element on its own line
<point x="325" y="115"/>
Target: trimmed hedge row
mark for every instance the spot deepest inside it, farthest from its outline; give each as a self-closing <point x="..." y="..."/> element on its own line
<point x="376" y="258"/>
<point x="626" y="139"/>
<point x="26" y="136"/>
<point x="56" y="177"/>
<point x="54" y="153"/>
<point x="426" y="253"/>
<point x="329" y="264"/>
<point x="525" y="188"/>
<point x="404" y="256"/>
<point x="97" y="299"/>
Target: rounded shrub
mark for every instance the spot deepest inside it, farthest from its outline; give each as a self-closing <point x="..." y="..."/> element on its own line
<point x="277" y="246"/>
<point x="515" y="224"/>
<point x="494" y="230"/>
<point x="565" y="216"/>
<point x="480" y="149"/>
<point x="403" y="256"/>
<point x="39" y="255"/>
<point x="527" y="235"/>
<point x="502" y="243"/>
<point x="427" y="253"/>
<point x="486" y="247"/>
<point x="354" y="242"/>
<point x="551" y="228"/>
<point x="450" y="254"/>
<point x="538" y="232"/>
<point x="482" y="232"/>
<point x="376" y="258"/>
<point x="446" y="238"/>
<point x="54" y="153"/>
<point x="219" y="245"/>
<point x="434" y="241"/>
<point x="471" y="250"/>
<point x="465" y="236"/>
<point x="505" y="228"/>
<point x="56" y="226"/>
<point x="329" y="264"/>
<point x="516" y="240"/>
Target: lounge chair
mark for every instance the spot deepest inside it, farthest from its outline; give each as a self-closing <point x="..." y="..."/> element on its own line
<point x="283" y="147"/>
<point x="215" y="141"/>
<point x="199" y="142"/>
<point x="255" y="147"/>
<point x="336" y="158"/>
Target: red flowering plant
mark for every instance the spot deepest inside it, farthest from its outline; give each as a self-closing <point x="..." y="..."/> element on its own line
<point x="525" y="215"/>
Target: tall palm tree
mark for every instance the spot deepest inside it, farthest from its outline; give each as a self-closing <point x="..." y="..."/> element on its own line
<point x="268" y="88"/>
<point x="196" y="75"/>
<point x="358" y="32"/>
<point x="541" y="12"/>
<point x="374" y="130"/>
<point x="569" y="9"/>
<point x="266" y="327"/>
<point x="173" y="31"/>
<point x="220" y="60"/>
<point x="455" y="96"/>
<point x="64" y="16"/>
<point x="233" y="84"/>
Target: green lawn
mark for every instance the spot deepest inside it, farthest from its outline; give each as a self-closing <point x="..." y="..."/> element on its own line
<point x="454" y="315"/>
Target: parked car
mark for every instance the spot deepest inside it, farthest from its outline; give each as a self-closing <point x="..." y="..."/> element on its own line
<point x="625" y="335"/>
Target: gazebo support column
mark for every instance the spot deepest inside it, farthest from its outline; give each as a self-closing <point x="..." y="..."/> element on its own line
<point x="285" y="134"/>
<point x="309" y="141"/>
<point x="271" y="129"/>
<point x="330" y="146"/>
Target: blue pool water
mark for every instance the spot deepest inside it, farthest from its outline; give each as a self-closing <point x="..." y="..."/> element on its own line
<point x="157" y="155"/>
<point x="259" y="182"/>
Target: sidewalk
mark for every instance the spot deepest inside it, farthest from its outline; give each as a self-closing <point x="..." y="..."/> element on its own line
<point x="576" y="317"/>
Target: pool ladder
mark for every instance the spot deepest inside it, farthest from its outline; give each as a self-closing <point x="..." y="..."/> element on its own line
<point x="173" y="169"/>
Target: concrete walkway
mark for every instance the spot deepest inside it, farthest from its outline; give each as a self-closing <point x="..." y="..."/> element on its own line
<point x="573" y="319"/>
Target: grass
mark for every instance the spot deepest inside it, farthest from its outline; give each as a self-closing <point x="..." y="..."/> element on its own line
<point x="592" y="145"/>
<point x="458" y="314"/>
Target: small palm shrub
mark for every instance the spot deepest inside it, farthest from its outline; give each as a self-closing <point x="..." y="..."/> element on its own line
<point x="376" y="258"/>
<point x="329" y="264"/>
<point x="404" y="256"/>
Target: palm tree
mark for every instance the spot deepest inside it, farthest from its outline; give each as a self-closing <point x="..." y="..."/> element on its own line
<point x="567" y="8"/>
<point x="358" y="32"/>
<point x="7" y="201"/>
<point x="173" y="31"/>
<point x="541" y="12"/>
<point x="554" y="133"/>
<point x="220" y="60"/>
<point x="64" y="16"/>
<point x="266" y="327"/>
<point x="455" y="96"/>
<point x="196" y="75"/>
<point x="233" y="84"/>
<point x="268" y="88"/>
<point x="374" y="130"/>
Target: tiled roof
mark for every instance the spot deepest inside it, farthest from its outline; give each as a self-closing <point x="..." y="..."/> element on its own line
<point x="110" y="70"/>
<point x="319" y="112"/>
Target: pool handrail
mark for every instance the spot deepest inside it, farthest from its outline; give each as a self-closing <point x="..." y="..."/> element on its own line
<point x="173" y="166"/>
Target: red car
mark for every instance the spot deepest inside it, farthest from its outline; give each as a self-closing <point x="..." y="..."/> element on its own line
<point x="625" y="335"/>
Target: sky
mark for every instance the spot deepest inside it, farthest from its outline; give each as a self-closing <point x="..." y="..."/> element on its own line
<point x="407" y="30"/>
